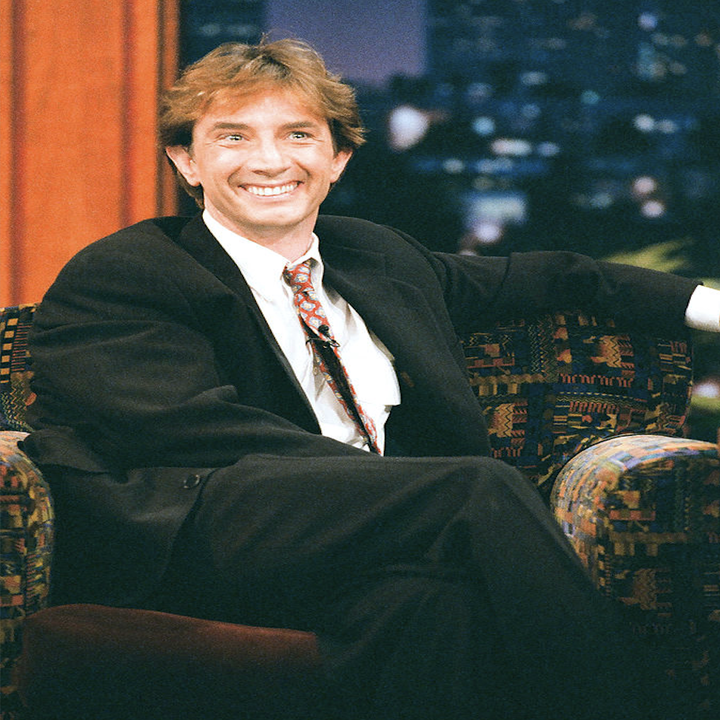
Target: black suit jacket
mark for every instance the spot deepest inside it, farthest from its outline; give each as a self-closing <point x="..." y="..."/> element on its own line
<point x="154" y="365"/>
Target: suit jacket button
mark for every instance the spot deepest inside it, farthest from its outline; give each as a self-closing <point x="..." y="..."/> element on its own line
<point x="191" y="481"/>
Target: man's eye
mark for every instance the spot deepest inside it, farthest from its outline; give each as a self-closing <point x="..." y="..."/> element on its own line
<point x="299" y="135"/>
<point x="232" y="137"/>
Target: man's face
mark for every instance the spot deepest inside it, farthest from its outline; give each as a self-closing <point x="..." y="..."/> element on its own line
<point x="265" y="164"/>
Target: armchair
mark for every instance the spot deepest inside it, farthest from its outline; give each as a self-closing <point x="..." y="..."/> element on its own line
<point x="592" y="414"/>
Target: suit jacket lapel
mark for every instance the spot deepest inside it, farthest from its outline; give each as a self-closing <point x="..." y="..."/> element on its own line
<point x="199" y="242"/>
<point x="388" y="306"/>
<point x="430" y="369"/>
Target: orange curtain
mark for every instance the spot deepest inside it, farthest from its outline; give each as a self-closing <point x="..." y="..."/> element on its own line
<point x="79" y="83"/>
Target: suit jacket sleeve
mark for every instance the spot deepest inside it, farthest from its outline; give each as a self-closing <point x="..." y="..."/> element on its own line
<point x="478" y="290"/>
<point x="543" y="281"/>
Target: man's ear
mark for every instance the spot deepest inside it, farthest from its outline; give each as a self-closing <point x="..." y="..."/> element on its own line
<point x="340" y="161"/>
<point x="183" y="161"/>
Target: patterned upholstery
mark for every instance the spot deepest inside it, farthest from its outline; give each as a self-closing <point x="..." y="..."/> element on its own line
<point x="26" y="545"/>
<point x="25" y="507"/>
<point x="643" y="511"/>
<point x="15" y="395"/>
<point x="556" y="384"/>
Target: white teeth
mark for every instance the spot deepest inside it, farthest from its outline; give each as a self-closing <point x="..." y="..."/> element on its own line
<point x="264" y="191"/>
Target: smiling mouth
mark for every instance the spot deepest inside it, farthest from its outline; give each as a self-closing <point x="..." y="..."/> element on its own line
<point x="275" y="191"/>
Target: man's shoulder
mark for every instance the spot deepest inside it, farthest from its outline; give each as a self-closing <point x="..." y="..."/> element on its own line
<point x="151" y="238"/>
<point x="351" y="232"/>
<point x="351" y="227"/>
<point x="152" y="243"/>
<point x="156" y="229"/>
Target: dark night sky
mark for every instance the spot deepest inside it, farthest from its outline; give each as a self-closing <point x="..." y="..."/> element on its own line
<point x="368" y="40"/>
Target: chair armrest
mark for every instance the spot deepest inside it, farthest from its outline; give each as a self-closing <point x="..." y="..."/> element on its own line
<point x="26" y="539"/>
<point x="123" y="662"/>
<point x="643" y="514"/>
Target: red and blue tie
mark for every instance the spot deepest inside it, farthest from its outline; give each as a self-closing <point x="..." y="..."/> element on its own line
<point x="326" y="349"/>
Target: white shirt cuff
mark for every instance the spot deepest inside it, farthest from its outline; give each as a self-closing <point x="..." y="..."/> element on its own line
<point x="703" y="310"/>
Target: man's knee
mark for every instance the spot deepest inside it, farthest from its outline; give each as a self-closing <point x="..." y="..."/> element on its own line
<point x="491" y="477"/>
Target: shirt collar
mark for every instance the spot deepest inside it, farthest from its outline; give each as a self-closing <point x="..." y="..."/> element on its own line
<point x="261" y="267"/>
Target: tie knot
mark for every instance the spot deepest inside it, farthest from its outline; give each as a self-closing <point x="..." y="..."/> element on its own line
<point x="299" y="276"/>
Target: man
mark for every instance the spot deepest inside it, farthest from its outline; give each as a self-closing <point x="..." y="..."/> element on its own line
<point x="205" y="459"/>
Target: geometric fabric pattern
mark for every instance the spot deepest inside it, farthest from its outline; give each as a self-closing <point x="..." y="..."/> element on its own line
<point x="588" y="413"/>
<point x="26" y="539"/>
<point x="25" y="506"/>
<point x="643" y="513"/>
<point x="553" y="385"/>
<point x="15" y="372"/>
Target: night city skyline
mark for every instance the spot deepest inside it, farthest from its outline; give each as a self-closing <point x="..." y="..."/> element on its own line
<point x="370" y="42"/>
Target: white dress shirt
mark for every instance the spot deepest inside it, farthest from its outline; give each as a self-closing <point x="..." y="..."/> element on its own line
<point x="367" y="361"/>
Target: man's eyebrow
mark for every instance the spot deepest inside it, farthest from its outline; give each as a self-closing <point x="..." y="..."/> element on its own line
<point x="301" y="124"/>
<point x="295" y="125"/>
<point x="229" y="126"/>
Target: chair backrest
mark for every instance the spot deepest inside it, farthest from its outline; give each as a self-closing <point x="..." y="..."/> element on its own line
<point x="15" y="373"/>
<point x="555" y="384"/>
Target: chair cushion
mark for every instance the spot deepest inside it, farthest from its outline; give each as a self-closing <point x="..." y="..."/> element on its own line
<point x="100" y="662"/>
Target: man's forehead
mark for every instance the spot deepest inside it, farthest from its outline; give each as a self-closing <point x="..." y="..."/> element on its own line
<point x="236" y="101"/>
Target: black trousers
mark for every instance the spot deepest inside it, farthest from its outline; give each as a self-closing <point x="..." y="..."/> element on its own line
<point x="439" y="588"/>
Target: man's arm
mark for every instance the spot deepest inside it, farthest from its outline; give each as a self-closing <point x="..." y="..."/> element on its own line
<point x="537" y="282"/>
<point x="480" y="290"/>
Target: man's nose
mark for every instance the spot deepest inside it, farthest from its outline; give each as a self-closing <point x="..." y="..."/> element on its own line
<point x="269" y="156"/>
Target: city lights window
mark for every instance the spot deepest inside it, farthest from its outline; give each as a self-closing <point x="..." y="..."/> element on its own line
<point x="653" y="209"/>
<point x="667" y="127"/>
<point x="483" y="126"/>
<point x="548" y="149"/>
<point x="453" y="166"/>
<point x="644" y="185"/>
<point x="644" y="123"/>
<point x="648" y="21"/>
<point x="531" y="111"/>
<point x="478" y="91"/>
<point x="511" y="146"/>
<point x="533" y="78"/>
<point x="407" y="126"/>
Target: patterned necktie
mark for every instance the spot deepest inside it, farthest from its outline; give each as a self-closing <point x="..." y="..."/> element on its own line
<point x="325" y="349"/>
